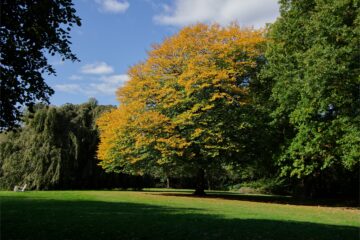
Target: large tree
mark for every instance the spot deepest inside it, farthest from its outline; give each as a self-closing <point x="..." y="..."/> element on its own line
<point x="30" y="29"/>
<point x="187" y="106"/>
<point x="313" y="61"/>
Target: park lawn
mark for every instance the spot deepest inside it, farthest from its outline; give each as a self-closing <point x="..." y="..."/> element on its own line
<point x="156" y="214"/>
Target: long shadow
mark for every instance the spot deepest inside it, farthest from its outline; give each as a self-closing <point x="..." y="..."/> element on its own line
<point x="36" y="219"/>
<point x="268" y="199"/>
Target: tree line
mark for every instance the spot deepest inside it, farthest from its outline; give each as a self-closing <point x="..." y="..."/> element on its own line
<point x="56" y="149"/>
<point x="212" y="107"/>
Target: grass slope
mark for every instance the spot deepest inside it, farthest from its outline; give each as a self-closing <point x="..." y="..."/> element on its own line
<point x="167" y="215"/>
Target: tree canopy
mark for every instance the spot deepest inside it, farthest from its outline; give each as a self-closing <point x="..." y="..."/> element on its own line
<point x="187" y="105"/>
<point x="55" y="149"/>
<point x="313" y="61"/>
<point x="278" y="107"/>
<point x="31" y="29"/>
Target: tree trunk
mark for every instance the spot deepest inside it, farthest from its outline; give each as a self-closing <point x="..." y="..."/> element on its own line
<point x="200" y="183"/>
<point x="167" y="182"/>
<point x="208" y="180"/>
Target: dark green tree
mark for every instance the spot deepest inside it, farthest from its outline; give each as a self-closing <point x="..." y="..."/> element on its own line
<point x="313" y="61"/>
<point x="56" y="148"/>
<point x="30" y="29"/>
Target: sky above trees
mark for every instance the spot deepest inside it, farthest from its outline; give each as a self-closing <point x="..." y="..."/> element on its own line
<point x="116" y="34"/>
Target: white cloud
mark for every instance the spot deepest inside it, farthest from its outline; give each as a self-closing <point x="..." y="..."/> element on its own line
<point x="115" y="79"/>
<point x="109" y="84"/>
<point x="97" y="68"/>
<point x="156" y="5"/>
<point x="75" y="77"/>
<point x="105" y="85"/>
<point x="113" y="6"/>
<point x="69" y="88"/>
<point x="246" y="12"/>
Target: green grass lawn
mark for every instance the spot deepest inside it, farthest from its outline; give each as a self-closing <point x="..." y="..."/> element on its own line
<point x="154" y="214"/>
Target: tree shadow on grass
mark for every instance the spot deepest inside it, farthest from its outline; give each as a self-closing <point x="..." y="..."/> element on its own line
<point x="269" y="199"/>
<point x="36" y="219"/>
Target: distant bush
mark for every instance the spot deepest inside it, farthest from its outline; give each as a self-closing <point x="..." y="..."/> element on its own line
<point x="263" y="186"/>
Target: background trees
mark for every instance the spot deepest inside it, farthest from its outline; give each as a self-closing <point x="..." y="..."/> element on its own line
<point x="29" y="30"/>
<point x="187" y="105"/>
<point x="313" y="61"/>
<point x="56" y="149"/>
<point x="213" y="105"/>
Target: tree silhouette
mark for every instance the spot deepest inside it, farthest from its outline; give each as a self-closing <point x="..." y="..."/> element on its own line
<point x="29" y="30"/>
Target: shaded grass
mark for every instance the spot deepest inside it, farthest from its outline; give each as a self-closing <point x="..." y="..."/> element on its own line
<point x="153" y="215"/>
<point x="264" y="198"/>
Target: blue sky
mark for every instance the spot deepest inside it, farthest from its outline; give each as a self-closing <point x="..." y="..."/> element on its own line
<point x="116" y="34"/>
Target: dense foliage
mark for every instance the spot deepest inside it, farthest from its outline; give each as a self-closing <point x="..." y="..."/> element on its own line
<point x="313" y="63"/>
<point x="276" y="110"/>
<point x="199" y="104"/>
<point x="30" y="29"/>
<point x="56" y="149"/>
<point x="188" y="106"/>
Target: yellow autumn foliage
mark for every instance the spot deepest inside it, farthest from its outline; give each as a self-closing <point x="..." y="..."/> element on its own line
<point x="183" y="104"/>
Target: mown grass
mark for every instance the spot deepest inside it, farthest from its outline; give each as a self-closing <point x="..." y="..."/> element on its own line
<point x="168" y="215"/>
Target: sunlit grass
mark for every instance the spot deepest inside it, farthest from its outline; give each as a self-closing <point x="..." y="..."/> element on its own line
<point x="168" y="214"/>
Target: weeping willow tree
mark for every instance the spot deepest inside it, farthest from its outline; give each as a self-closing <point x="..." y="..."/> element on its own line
<point x="56" y="148"/>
